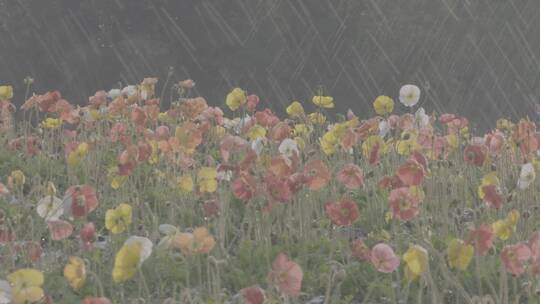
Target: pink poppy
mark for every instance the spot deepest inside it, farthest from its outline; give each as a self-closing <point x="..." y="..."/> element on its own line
<point x="494" y="141"/>
<point x="411" y="173"/>
<point x="100" y="300"/>
<point x="59" y="229"/>
<point x="296" y="181"/>
<point x="46" y="101"/>
<point x="391" y="182"/>
<point x="252" y="102"/>
<point x="404" y="204"/>
<point x="482" y="239"/>
<point x="360" y="250"/>
<point x="406" y="122"/>
<point x="162" y="133"/>
<point x="119" y="133"/>
<point x="266" y="118"/>
<point x="351" y="176"/>
<point x="29" y="145"/>
<point x="475" y="154"/>
<point x="253" y="295"/>
<point x="138" y="116"/>
<point x="446" y="117"/>
<point x="66" y="111"/>
<point x="287" y="275"/>
<point x="244" y="186"/>
<point x="279" y="132"/>
<point x="88" y="235"/>
<point x="384" y="259"/>
<point x="99" y="99"/>
<point x="514" y="257"/>
<point x="231" y="145"/>
<point x="493" y="196"/>
<point x="342" y="213"/>
<point x="534" y="245"/>
<point x="80" y="200"/>
<point x="278" y="188"/>
<point x="317" y="174"/>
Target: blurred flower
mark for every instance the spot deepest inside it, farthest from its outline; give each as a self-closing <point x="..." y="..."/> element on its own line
<point x="88" y="235"/>
<point x="207" y="179"/>
<point x="351" y="176"/>
<point x="130" y="257"/>
<point x="416" y="259"/>
<point x="295" y="109"/>
<point x="118" y="219"/>
<point x="235" y="99"/>
<point x="343" y="212"/>
<point x="323" y="101"/>
<point x="50" y="208"/>
<point x="198" y="242"/>
<point x="504" y="228"/>
<point x="287" y="275"/>
<point x="5" y="292"/>
<point x="515" y="257"/>
<point x="317" y="174"/>
<point x="59" y="229"/>
<point x="253" y="295"/>
<point x="26" y="285"/>
<point x="459" y="254"/>
<point x="526" y="176"/>
<point x="384" y="259"/>
<point x="383" y="105"/>
<point x="409" y="95"/>
<point x="185" y="183"/>
<point x="6" y="92"/>
<point x="75" y="272"/>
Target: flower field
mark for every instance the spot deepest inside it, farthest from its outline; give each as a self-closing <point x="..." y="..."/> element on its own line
<point x="124" y="200"/>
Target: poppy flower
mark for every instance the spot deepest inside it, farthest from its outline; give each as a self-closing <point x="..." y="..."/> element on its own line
<point x="408" y="143"/>
<point x="411" y="173"/>
<point x="244" y="187"/>
<point x="80" y="200"/>
<point x="404" y="204"/>
<point x="118" y="219"/>
<point x="534" y="245"/>
<point x="383" y="105"/>
<point x="207" y="179"/>
<point x="459" y="254"/>
<point x="287" y="275"/>
<point x="482" y="239"/>
<point x="342" y="213"/>
<point x="372" y="149"/>
<point x="409" y="95"/>
<point x="526" y="176"/>
<point x="75" y="272"/>
<point x="198" y="242"/>
<point x="185" y="183"/>
<point x="416" y="259"/>
<point x="277" y="188"/>
<point x="515" y="257"/>
<point x="252" y="102"/>
<point x="475" y="154"/>
<point x="255" y="132"/>
<point x="59" y="229"/>
<point x="26" y="285"/>
<point x="351" y="176"/>
<point x="88" y="235"/>
<point x="186" y="139"/>
<point x="253" y="295"/>
<point x="317" y="174"/>
<point x="317" y="118"/>
<point x="295" y="109"/>
<point x="329" y="142"/>
<point x="384" y="259"/>
<point x="235" y="99"/>
<point x="504" y="228"/>
<point x="50" y="208"/>
<point x="130" y="257"/>
<point x="6" y="92"/>
<point x="326" y="102"/>
<point x="231" y="145"/>
<point x="100" y="300"/>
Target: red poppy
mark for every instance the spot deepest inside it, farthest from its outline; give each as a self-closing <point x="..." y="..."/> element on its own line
<point x="493" y="196"/>
<point x="88" y="235"/>
<point x="252" y="102"/>
<point x="391" y="182"/>
<point x="80" y="200"/>
<point x="351" y="176"/>
<point x="360" y="250"/>
<point x="230" y="145"/>
<point x="475" y="154"/>
<point x="59" y="229"/>
<point x="287" y="275"/>
<point x="342" y="213"/>
<point x="404" y="204"/>
<point x="244" y="186"/>
<point x="253" y="295"/>
<point x="411" y="173"/>
<point x="277" y="188"/>
<point x="317" y="174"/>
<point x="482" y="239"/>
<point x="266" y="118"/>
<point x="515" y="257"/>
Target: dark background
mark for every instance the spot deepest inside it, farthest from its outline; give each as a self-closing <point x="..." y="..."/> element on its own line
<point x="480" y="58"/>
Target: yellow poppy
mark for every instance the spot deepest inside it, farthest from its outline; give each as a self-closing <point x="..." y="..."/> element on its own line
<point x="51" y="123"/>
<point x="301" y="130"/>
<point x="459" y="254"/>
<point x="408" y="143"/>
<point x="326" y="102"/>
<point x="118" y="219"/>
<point x="18" y="178"/>
<point x="6" y="92"/>
<point x="75" y="272"/>
<point x="235" y="99"/>
<point x="504" y="228"/>
<point x="207" y="179"/>
<point x="416" y="259"/>
<point x="185" y="183"/>
<point x="329" y="143"/>
<point x="370" y="143"/>
<point x="126" y="262"/>
<point x="295" y="109"/>
<point x="383" y="105"/>
<point x="317" y="118"/>
<point x="26" y="285"/>
<point x="255" y="132"/>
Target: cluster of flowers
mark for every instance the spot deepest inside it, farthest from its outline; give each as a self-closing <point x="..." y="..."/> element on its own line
<point x="261" y="160"/>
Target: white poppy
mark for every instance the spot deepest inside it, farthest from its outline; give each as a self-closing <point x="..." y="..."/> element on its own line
<point x="258" y="145"/>
<point x="50" y="208"/>
<point x="224" y="175"/>
<point x="288" y="147"/>
<point x="146" y="246"/>
<point x="384" y="128"/>
<point x="526" y="176"/>
<point x="130" y="90"/>
<point x="114" y="93"/>
<point x="5" y="292"/>
<point x="421" y="118"/>
<point x="409" y="95"/>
